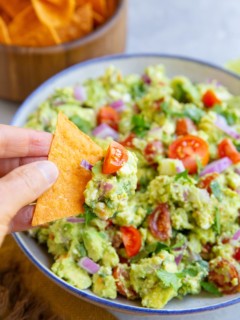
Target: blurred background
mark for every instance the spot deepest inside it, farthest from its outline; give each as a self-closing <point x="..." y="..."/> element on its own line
<point x="203" y="29"/>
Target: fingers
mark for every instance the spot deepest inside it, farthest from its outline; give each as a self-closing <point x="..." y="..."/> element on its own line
<point x="20" y="142"/>
<point x="21" y="187"/>
<point x="22" y="220"/>
<point x="8" y="164"/>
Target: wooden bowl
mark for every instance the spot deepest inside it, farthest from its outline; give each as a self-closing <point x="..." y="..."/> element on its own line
<point x="22" y="69"/>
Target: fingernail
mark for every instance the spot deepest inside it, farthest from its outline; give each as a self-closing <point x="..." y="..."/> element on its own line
<point x="49" y="170"/>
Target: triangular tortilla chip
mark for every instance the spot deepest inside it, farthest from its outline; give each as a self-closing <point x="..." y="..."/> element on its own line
<point x="26" y="30"/>
<point x="4" y="35"/>
<point x="54" y="13"/>
<point x="69" y="147"/>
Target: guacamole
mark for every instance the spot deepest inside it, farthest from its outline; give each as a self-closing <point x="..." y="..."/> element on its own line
<point x="162" y="210"/>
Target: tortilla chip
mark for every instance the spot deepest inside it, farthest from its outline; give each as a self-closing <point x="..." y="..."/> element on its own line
<point x="69" y="147"/>
<point x="80" y="24"/>
<point x="13" y="7"/>
<point x="100" y="6"/>
<point x="54" y="13"/>
<point x="27" y="30"/>
<point x="6" y="18"/>
<point x="4" y="35"/>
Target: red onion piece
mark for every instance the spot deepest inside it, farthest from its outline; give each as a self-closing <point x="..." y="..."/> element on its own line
<point x="217" y="166"/>
<point x="86" y="165"/>
<point x="118" y="105"/>
<point x="180" y="167"/>
<point x="237" y="170"/>
<point x="178" y="259"/>
<point x="238" y="191"/>
<point x="107" y="186"/>
<point x="79" y="93"/>
<point x="89" y="265"/>
<point x="236" y="235"/>
<point x="103" y="131"/>
<point x="222" y="124"/>
<point x="146" y="79"/>
<point x="75" y="220"/>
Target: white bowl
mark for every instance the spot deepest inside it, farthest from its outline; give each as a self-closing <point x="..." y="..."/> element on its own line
<point x="196" y="71"/>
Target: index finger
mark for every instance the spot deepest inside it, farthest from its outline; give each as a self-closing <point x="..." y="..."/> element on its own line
<point x="20" y="142"/>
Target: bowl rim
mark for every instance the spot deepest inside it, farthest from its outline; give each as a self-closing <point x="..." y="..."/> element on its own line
<point x="98" y="32"/>
<point x="102" y="302"/>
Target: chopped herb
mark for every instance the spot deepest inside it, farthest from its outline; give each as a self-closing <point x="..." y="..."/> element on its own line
<point x="217" y="225"/>
<point x="178" y="244"/>
<point x="137" y="90"/>
<point x="82" y="124"/>
<point x="140" y="126"/>
<point x="81" y="249"/>
<point x="210" y="287"/>
<point x="145" y="252"/>
<point x="194" y="113"/>
<point x="162" y="246"/>
<point x="183" y="175"/>
<point x="216" y="190"/>
<point x="169" y="279"/>
<point x="238" y="147"/>
<point x="88" y="214"/>
<point x="190" y="271"/>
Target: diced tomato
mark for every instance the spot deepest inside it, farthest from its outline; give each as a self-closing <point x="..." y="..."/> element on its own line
<point x="210" y="99"/>
<point x="227" y="149"/>
<point x="115" y="158"/>
<point x="184" y="126"/>
<point x="109" y="116"/>
<point x="189" y="149"/>
<point x="128" y="142"/>
<point x="121" y="275"/>
<point x="132" y="240"/>
<point x="236" y="255"/>
<point x="205" y="182"/>
<point x="153" y="149"/>
<point x="222" y="275"/>
<point x="159" y="222"/>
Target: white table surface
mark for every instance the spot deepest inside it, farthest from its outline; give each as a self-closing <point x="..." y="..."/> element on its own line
<point x="205" y="29"/>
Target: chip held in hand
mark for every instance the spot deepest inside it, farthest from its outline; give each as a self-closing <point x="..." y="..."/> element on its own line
<point x="65" y="198"/>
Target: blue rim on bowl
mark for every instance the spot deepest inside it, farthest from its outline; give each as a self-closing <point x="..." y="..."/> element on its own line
<point x="84" y="294"/>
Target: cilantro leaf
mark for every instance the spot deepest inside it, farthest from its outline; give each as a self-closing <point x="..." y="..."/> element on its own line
<point x="137" y="90"/>
<point x="194" y="113"/>
<point x="216" y="190"/>
<point x="169" y="279"/>
<point x="183" y="174"/>
<point x="144" y="253"/>
<point x="89" y="215"/>
<point x="140" y="126"/>
<point x="82" y="124"/>
<point x="217" y="225"/>
<point x="210" y="287"/>
<point x="178" y="244"/>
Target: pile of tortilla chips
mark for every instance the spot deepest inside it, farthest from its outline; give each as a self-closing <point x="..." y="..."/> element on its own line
<point x="38" y="23"/>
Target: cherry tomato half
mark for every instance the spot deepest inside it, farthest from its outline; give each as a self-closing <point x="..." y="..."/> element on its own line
<point x="236" y="255"/>
<point x="121" y="275"/>
<point x="222" y="275"/>
<point x="189" y="149"/>
<point x="227" y="149"/>
<point x="159" y="222"/>
<point x="184" y="126"/>
<point x="205" y="182"/>
<point x="109" y="116"/>
<point x="128" y="142"/>
<point x="153" y="149"/>
<point x="115" y="158"/>
<point x="210" y="99"/>
<point x="132" y="240"/>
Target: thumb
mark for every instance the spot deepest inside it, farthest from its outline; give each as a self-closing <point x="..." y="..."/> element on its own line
<point x="22" y="186"/>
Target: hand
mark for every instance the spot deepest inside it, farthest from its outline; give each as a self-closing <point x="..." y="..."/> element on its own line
<point x="25" y="174"/>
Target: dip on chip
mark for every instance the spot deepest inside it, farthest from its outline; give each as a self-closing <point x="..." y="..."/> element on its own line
<point x="69" y="147"/>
